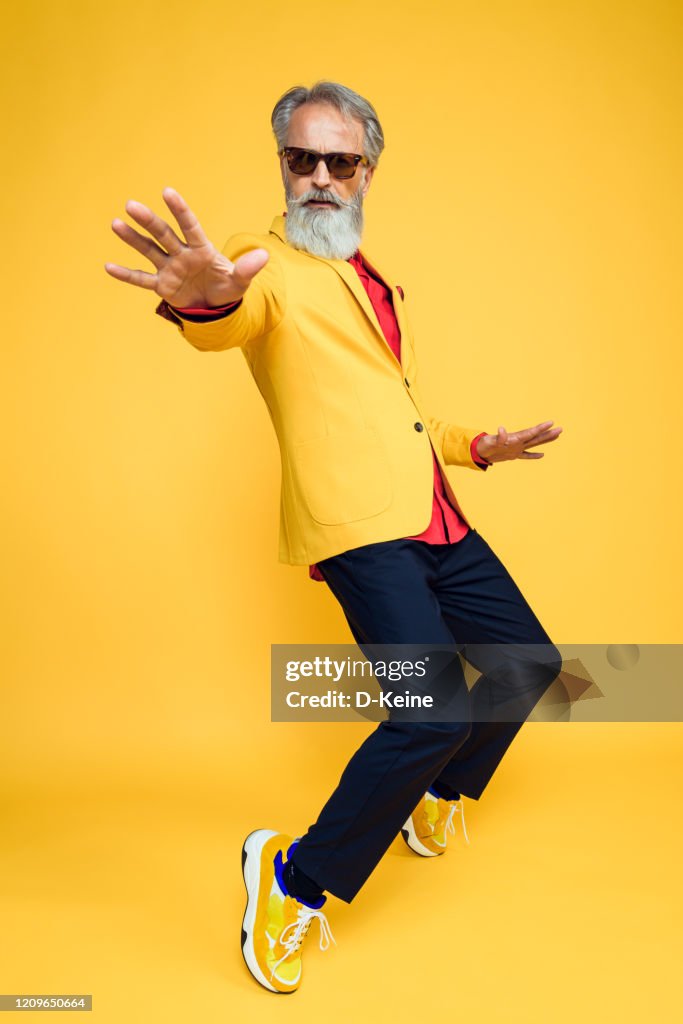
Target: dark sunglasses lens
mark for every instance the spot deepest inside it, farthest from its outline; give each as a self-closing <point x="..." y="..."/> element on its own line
<point x="301" y="161"/>
<point x="342" y="166"/>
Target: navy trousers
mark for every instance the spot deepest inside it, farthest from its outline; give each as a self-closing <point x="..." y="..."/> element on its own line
<point x="413" y="592"/>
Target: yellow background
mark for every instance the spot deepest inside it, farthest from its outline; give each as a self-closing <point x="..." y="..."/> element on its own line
<point x="534" y="150"/>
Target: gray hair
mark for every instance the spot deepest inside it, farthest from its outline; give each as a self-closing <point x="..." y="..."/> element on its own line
<point x="349" y="103"/>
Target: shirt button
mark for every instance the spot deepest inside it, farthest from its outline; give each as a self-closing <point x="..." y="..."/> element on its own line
<point x="406" y="382"/>
<point x="419" y="427"/>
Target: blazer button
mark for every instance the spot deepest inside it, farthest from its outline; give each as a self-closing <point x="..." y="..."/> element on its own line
<point x="406" y="382"/>
<point x="419" y="427"/>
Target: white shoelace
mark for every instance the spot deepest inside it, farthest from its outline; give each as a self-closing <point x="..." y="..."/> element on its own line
<point x="450" y="827"/>
<point x="300" y="927"/>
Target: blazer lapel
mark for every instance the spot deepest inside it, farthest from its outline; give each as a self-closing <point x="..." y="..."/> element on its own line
<point x="397" y="301"/>
<point x="351" y="278"/>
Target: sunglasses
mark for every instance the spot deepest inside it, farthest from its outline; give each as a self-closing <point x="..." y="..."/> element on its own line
<point x="305" y="161"/>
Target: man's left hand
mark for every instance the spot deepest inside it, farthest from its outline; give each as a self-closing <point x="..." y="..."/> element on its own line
<point x="502" y="446"/>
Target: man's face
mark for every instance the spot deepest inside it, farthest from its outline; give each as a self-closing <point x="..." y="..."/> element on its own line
<point x="324" y="214"/>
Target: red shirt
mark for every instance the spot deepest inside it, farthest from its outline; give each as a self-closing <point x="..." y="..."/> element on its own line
<point x="446" y="525"/>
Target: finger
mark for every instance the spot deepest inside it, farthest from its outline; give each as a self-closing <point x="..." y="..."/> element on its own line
<point x="138" y="277"/>
<point x="188" y="223"/>
<point x="142" y="243"/>
<point x="502" y="436"/>
<point x="531" y="455"/>
<point x="248" y="265"/>
<point x="153" y="223"/>
<point x="529" y="433"/>
<point x="552" y="435"/>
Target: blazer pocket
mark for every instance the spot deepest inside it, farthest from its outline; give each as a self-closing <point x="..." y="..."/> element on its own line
<point x="343" y="477"/>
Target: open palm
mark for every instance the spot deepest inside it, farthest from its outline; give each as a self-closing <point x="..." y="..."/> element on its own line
<point x="189" y="271"/>
<point x="502" y="446"/>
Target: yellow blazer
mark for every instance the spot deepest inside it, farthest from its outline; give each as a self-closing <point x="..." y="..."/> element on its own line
<point x="356" y="457"/>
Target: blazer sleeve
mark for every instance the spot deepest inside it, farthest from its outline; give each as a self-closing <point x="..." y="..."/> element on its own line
<point x="260" y="311"/>
<point x="455" y="443"/>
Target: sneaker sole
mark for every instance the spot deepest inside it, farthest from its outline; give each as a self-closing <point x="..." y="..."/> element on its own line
<point x="251" y="873"/>
<point x="409" y="834"/>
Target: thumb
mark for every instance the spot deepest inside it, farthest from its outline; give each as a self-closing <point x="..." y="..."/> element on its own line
<point x="248" y="265"/>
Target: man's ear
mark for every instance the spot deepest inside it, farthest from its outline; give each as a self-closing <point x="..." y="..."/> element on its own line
<point x="369" y="171"/>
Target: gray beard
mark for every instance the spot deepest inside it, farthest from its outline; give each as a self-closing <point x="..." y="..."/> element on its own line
<point x="333" y="234"/>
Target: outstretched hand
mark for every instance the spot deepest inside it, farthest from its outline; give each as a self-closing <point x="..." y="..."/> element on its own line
<point x="502" y="446"/>
<point x="190" y="271"/>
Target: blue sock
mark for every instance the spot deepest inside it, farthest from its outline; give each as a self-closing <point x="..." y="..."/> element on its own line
<point x="451" y="795"/>
<point x="300" y="886"/>
<point x="296" y="883"/>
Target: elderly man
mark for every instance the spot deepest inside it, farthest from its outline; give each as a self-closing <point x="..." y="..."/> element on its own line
<point x="366" y="503"/>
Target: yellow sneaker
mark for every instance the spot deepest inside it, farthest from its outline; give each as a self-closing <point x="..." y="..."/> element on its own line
<point x="426" y="830"/>
<point x="275" y="924"/>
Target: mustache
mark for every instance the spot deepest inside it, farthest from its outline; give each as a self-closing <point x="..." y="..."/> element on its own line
<point x="324" y="197"/>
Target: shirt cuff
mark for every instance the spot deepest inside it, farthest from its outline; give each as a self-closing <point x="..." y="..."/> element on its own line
<point x="194" y="314"/>
<point x="484" y="463"/>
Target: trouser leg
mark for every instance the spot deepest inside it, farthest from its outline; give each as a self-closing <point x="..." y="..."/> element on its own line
<point x="386" y="595"/>
<point x="483" y="606"/>
<point x="376" y="793"/>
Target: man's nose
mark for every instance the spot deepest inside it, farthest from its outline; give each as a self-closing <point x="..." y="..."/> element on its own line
<point x="321" y="175"/>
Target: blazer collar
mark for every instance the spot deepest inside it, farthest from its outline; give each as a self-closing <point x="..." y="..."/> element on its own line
<point x="352" y="280"/>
